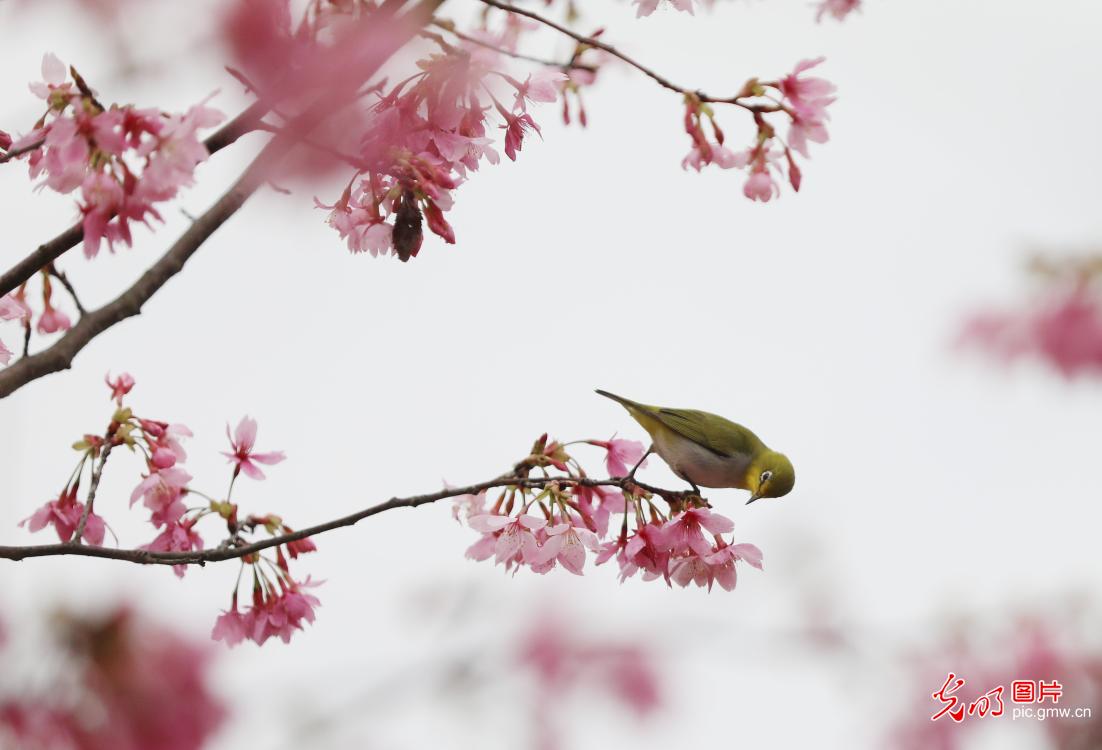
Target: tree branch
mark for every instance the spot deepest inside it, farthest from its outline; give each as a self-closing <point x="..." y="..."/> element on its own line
<point x="60" y="355"/>
<point x="219" y="554"/>
<point x="61" y="277"/>
<point x="128" y="304"/>
<point x="598" y="44"/>
<point x="449" y="27"/>
<point x="7" y="155"/>
<point x="50" y="251"/>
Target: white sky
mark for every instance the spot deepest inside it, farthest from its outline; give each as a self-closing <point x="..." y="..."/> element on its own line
<point x="963" y="134"/>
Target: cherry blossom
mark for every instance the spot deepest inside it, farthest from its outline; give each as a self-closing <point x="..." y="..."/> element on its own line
<point x="120" y="386"/>
<point x="646" y="7"/>
<point x="64" y="515"/>
<point x="130" y="683"/>
<point x="836" y="9"/>
<point x="243" y="457"/>
<point x="1063" y="328"/>
<point x="621" y="455"/>
<point x="176" y="537"/>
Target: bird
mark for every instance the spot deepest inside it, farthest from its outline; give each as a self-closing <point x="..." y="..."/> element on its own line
<point x="707" y="450"/>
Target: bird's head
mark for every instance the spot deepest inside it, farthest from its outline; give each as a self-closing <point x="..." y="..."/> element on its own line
<point x="770" y="475"/>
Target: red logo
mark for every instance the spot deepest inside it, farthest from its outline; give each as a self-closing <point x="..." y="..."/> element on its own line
<point x="991" y="702"/>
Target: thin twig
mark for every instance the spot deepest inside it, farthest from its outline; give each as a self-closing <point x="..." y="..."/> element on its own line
<point x="324" y="148"/>
<point x="17" y="152"/>
<point x="97" y="472"/>
<point x="60" y="276"/>
<point x="221" y="553"/>
<point x="598" y="44"/>
<point x="449" y="27"/>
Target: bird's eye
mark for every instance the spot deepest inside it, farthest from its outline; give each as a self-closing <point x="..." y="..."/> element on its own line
<point x="765" y="476"/>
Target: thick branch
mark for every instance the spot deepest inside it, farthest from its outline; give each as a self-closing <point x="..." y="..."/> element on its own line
<point x="598" y="44"/>
<point x="60" y="355"/>
<point x="219" y="554"/>
<point x="129" y="303"/>
<point x="55" y="248"/>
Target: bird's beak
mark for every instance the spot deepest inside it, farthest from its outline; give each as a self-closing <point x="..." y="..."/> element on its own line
<point x="753" y="498"/>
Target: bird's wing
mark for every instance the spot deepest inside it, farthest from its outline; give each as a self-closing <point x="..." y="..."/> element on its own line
<point x="715" y="433"/>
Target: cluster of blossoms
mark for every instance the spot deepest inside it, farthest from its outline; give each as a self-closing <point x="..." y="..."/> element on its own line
<point x="15" y="307"/>
<point x="423" y="138"/>
<point x="566" y="660"/>
<point x="127" y="684"/>
<point x="124" y="160"/>
<point x="280" y="604"/>
<point x="1063" y="327"/>
<point x="561" y="519"/>
<point x="802" y="99"/>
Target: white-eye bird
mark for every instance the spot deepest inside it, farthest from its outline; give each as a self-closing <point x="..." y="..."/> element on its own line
<point x="707" y="450"/>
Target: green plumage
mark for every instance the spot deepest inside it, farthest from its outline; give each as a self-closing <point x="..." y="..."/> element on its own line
<point x="708" y="450"/>
<point x="712" y="431"/>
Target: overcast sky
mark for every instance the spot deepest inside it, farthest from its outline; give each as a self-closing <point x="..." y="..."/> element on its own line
<point x="963" y="136"/>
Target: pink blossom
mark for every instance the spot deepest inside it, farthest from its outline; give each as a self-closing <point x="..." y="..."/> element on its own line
<point x="684" y="533"/>
<point x="514" y="541"/>
<point x="5" y="354"/>
<point x="161" y="492"/>
<point x="621" y="454"/>
<point x="837" y="9"/>
<point x="63" y="157"/>
<point x="102" y="198"/>
<point x="282" y="615"/>
<point x="438" y="224"/>
<point x="646" y="7"/>
<point x="466" y="506"/>
<point x="597" y="504"/>
<point x="13" y="308"/>
<point x="5" y="140"/>
<point x="1064" y="329"/>
<point x="232" y="626"/>
<point x="803" y="129"/>
<point x="53" y="320"/>
<point x="64" y="515"/>
<point x="515" y="127"/>
<point x="176" y="537"/>
<point x="175" y="153"/>
<point x="299" y="546"/>
<point x="566" y="544"/>
<point x="563" y="657"/>
<point x="54" y="74"/>
<point x="807" y="99"/>
<point x="120" y="386"/>
<point x="243" y="457"/>
<point x="717" y="566"/>
<point x="810" y="92"/>
<point x="646" y="550"/>
<point x="541" y="86"/>
<point x="760" y="186"/>
<point x="721" y="156"/>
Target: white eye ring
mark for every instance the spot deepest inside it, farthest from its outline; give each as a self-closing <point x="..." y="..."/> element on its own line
<point x="765" y="476"/>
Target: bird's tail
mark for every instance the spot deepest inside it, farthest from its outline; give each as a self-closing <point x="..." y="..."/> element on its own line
<point x="626" y="402"/>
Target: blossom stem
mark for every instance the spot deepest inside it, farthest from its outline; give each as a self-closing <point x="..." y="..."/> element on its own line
<point x="97" y="472"/>
<point x="589" y="41"/>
